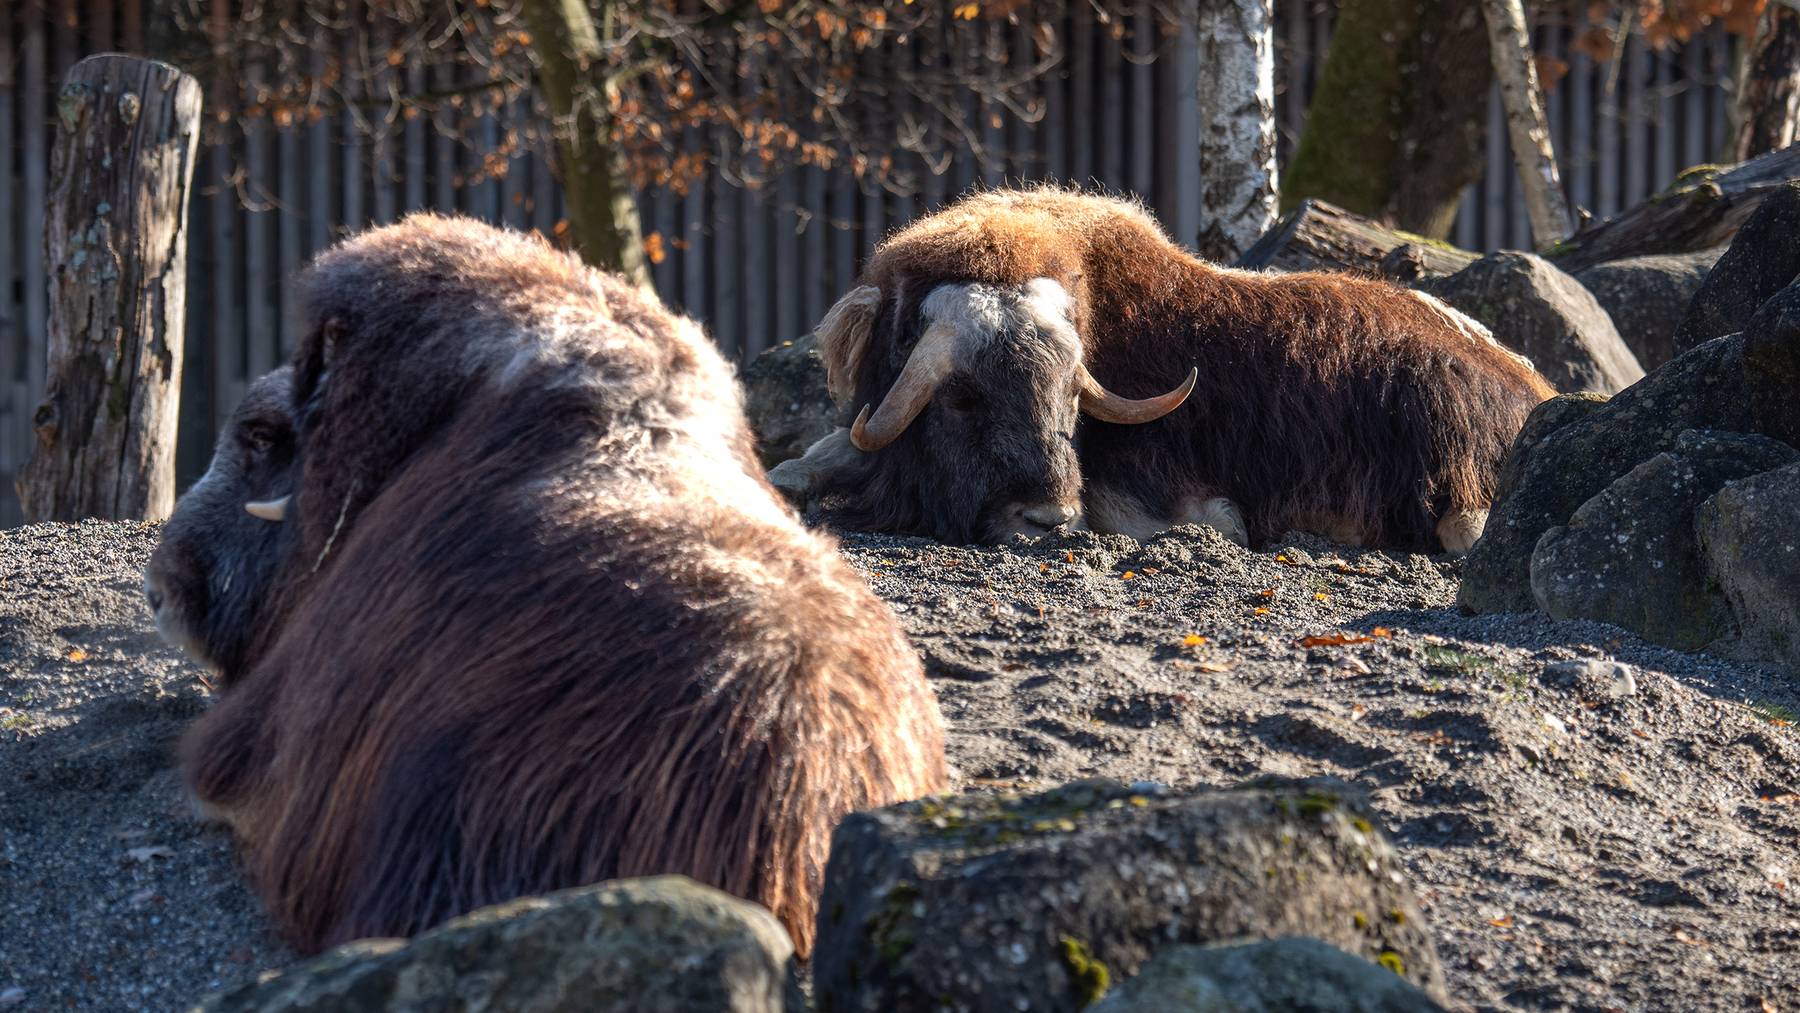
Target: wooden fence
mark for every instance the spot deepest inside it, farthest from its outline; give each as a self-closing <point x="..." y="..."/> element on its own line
<point x="755" y="266"/>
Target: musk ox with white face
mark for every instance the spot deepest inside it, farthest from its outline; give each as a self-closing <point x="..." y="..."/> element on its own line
<point x="503" y="605"/>
<point x="1023" y="360"/>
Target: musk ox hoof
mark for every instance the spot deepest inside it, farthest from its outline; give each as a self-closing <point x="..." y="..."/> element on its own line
<point x="1221" y="515"/>
<point x="1459" y="530"/>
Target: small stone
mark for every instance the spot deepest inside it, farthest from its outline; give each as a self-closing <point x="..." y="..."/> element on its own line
<point x="146" y="855"/>
<point x="12" y="997"/>
<point x="1593" y="679"/>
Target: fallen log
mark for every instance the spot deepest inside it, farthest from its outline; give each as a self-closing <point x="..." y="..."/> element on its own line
<point x="1317" y="236"/>
<point x="1700" y="210"/>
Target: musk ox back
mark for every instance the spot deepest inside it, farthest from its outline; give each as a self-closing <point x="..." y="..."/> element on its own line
<point x="535" y="619"/>
<point x="1024" y="359"/>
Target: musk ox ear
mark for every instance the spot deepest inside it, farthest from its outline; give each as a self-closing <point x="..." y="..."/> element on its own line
<point x="843" y="338"/>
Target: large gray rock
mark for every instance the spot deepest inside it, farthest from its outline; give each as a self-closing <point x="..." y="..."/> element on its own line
<point x="1750" y="538"/>
<point x="1763" y="259"/>
<point x="1041" y="902"/>
<point x="1629" y="556"/>
<point x="660" y="943"/>
<point x="1292" y="975"/>
<point x="786" y="401"/>
<point x="1569" y="451"/>
<point x="1646" y="297"/>
<point x="1545" y="315"/>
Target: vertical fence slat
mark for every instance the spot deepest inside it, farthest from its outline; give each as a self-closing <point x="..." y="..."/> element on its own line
<point x="259" y="223"/>
<point x="1055" y="125"/>
<point x="354" y="175"/>
<point x="415" y="139"/>
<point x="289" y="226"/>
<point x="1637" y="132"/>
<point x="1081" y="102"/>
<point x="1579" y="160"/>
<point x="1693" y="102"/>
<point x="815" y="276"/>
<point x="1184" y="150"/>
<point x="1142" y="104"/>
<point x="787" y="255"/>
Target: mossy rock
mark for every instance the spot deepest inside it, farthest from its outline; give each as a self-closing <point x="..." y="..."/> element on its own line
<point x="1629" y="555"/>
<point x="1273" y="976"/>
<point x="984" y="902"/>
<point x="1749" y="536"/>
<point x="664" y="943"/>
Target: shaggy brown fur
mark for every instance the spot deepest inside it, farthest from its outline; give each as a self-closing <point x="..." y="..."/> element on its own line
<point x="543" y="622"/>
<point x="1325" y="401"/>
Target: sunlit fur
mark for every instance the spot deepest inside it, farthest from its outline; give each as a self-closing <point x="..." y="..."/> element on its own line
<point x="541" y="621"/>
<point x="1337" y="402"/>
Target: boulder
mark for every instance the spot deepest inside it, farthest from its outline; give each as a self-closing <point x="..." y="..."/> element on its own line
<point x="786" y="401"/>
<point x="660" y="943"/>
<point x="1763" y="259"/>
<point x="1646" y="298"/>
<point x="1497" y="569"/>
<point x="1535" y="309"/>
<point x="1276" y="976"/>
<point x="1629" y="556"/>
<point x="1041" y="902"/>
<point x="1749" y="536"/>
<point x="1568" y="452"/>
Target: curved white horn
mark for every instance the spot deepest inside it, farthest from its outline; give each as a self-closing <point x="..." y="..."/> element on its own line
<point x="269" y="509"/>
<point x="932" y="359"/>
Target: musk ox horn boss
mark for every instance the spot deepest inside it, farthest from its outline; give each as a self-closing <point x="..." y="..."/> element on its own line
<point x="502" y="604"/>
<point x="1012" y="357"/>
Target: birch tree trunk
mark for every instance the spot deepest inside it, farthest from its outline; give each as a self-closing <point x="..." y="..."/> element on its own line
<point x="1237" y="124"/>
<point x="1767" y="110"/>
<point x="115" y="242"/>
<point x="1525" y="121"/>
<point x="603" y="211"/>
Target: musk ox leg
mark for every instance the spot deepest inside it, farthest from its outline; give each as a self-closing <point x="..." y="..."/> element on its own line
<point x="802" y="479"/>
<point x="223" y="756"/>
<point x="1458" y="530"/>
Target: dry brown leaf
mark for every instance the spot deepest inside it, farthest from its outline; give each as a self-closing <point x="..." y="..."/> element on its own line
<point x="1213" y="666"/>
<point x="78" y="655"/>
<point x="1192" y="640"/>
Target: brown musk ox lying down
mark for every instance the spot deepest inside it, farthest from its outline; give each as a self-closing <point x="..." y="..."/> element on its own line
<point x="502" y="604"/>
<point x="1012" y="357"/>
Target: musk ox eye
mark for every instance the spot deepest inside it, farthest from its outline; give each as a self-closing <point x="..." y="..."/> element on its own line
<point x="258" y="438"/>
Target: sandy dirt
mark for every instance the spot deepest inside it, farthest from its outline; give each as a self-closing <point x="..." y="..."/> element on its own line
<point x="1581" y="841"/>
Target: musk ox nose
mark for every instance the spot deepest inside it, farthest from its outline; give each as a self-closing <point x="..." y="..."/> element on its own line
<point x="1047" y="515"/>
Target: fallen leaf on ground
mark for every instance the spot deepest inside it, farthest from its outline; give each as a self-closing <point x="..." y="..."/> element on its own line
<point x="1192" y="640"/>
<point x="78" y="655"/>
<point x="1213" y="666"/>
<point x="1128" y="575"/>
<point x="1682" y="937"/>
<point x="1502" y="922"/>
<point x="1334" y="640"/>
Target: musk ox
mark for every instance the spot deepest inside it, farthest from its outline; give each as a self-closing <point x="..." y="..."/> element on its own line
<point x="502" y="604"/>
<point x="1012" y="358"/>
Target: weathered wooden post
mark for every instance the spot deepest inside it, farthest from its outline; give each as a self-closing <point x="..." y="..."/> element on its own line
<point x="115" y="242"/>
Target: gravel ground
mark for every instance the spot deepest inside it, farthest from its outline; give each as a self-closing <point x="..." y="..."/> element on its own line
<point x="1580" y="842"/>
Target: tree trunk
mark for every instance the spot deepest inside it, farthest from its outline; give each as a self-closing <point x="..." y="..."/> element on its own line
<point x="116" y="245"/>
<point x="1443" y="134"/>
<point x="1317" y="236"/>
<point x="603" y="212"/>
<point x="1768" y="99"/>
<point x="1700" y="210"/>
<point x="1525" y="121"/>
<point x="1237" y="116"/>
<point x="1395" y="130"/>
